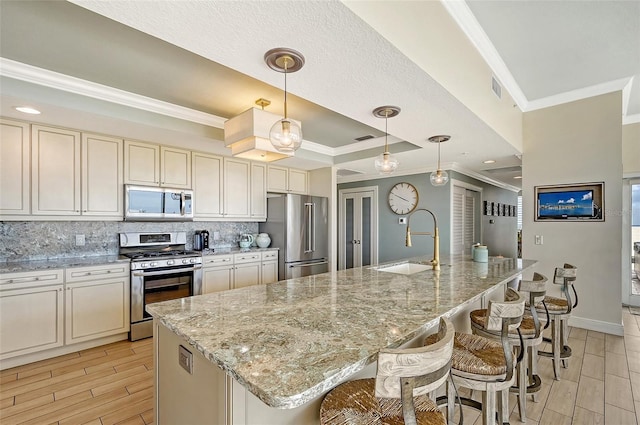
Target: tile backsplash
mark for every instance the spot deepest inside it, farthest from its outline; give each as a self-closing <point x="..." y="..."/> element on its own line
<point x="43" y="240"/>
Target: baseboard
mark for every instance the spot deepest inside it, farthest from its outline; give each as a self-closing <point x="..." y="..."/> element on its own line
<point x="597" y="325"/>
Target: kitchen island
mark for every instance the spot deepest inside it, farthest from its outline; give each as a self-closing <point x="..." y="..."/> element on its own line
<point x="268" y="353"/>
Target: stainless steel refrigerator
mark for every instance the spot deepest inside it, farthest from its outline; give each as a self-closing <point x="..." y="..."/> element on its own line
<point x="298" y="225"/>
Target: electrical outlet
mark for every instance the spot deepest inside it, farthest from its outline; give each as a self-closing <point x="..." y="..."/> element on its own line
<point x="80" y="240"/>
<point x="216" y="235"/>
<point x="539" y="240"/>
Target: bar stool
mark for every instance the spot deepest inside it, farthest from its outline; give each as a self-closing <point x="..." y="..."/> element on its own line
<point x="484" y="364"/>
<point x="399" y="392"/>
<point x="526" y="338"/>
<point x="558" y="311"/>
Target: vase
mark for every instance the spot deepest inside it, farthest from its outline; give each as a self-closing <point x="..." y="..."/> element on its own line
<point x="263" y="240"/>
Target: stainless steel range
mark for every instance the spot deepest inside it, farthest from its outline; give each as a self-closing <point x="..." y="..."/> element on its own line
<point x="161" y="270"/>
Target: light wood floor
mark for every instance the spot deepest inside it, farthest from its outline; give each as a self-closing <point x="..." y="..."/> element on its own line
<point x="113" y="385"/>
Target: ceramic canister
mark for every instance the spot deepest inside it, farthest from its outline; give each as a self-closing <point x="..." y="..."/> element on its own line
<point x="481" y="254"/>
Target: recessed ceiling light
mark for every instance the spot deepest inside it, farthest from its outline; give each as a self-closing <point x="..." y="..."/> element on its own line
<point x="489" y="161"/>
<point x="27" y="110"/>
<point x="517" y="177"/>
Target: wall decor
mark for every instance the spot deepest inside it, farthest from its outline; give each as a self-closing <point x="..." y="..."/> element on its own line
<point x="570" y="202"/>
<point x="487" y="208"/>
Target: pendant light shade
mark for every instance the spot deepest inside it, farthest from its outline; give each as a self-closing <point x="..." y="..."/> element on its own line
<point x="439" y="177"/>
<point x="385" y="163"/>
<point x="285" y="134"/>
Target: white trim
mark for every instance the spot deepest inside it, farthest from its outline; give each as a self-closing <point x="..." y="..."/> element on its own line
<point x="573" y="95"/>
<point x="468" y="23"/>
<point x="483" y="178"/>
<point x="631" y="119"/>
<point x="20" y="71"/>
<point x="596" y="325"/>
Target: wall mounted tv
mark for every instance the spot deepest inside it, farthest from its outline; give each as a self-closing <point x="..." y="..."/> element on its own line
<point x="575" y="202"/>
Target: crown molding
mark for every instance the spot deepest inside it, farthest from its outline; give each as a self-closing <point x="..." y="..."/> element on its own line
<point x="473" y="174"/>
<point x="631" y="119"/>
<point x="31" y="74"/>
<point x="468" y="23"/>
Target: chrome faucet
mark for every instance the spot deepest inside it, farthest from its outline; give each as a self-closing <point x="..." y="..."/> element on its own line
<point x="435" y="262"/>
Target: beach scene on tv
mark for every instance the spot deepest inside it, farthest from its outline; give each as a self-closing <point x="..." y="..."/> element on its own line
<point x="568" y="204"/>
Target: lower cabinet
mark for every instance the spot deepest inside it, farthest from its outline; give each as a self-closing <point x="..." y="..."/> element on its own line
<point x="49" y="309"/>
<point x="224" y="272"/>
<point x="31" y="319"/>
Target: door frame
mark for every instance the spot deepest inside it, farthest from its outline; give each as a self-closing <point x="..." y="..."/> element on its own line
<point x="627" y="298"/>
<point x="342" y="223"/>
<point x="468" y="186"/>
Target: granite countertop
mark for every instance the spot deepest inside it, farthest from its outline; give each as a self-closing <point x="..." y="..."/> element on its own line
<point x="59" y="263"/>
<point x="234" y="250"/>
<point x="290" y="341"/>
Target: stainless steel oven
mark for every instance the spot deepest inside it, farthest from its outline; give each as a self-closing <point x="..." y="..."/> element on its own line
<point x="161" y="270"/>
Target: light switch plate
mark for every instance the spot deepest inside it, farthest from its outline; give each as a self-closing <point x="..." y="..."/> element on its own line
<point x="80" y="240"/>
<point x="539" y="240"/>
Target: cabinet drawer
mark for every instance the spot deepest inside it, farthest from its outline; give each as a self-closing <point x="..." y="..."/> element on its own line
<point x="216" y="260"/>
<point x="79" y="274"/>
<point x="246" y="257"/>
<point x="269" y="255"/>
<point x="30" y="279"/>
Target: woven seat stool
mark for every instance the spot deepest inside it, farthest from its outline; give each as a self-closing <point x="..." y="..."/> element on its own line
<point x="399" y="394"/>
<point x="558" y="311"/>
<point x="484" y="364"/>
<point x="526" y="339"/>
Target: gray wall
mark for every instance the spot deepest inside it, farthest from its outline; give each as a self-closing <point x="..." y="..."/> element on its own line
<point x="501" y="237"/>
<point x="41" y="240"/>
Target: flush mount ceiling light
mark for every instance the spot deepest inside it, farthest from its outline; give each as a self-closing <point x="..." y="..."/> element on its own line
<point x="489" y="161"/>
<point x="286" y="134"/>
<point x="385" y="163"/>
<point x="439" y="177"/>
<point x="27" y="110"/>
<point x="247" y="134"/>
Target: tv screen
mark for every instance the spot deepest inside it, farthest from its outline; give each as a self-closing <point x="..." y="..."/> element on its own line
<point x="566" y="204"/>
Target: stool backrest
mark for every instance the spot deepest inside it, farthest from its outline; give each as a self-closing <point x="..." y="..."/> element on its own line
<point x="566" y="276"/>
<point x="509" y="311"/>
<point x="428" y="365"/>
<point x="537" y="288"/>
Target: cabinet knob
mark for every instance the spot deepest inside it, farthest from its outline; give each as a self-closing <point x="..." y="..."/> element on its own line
<point x="108" y="271"/>
<point x="10" y="281"/>
<point x="37" y="278"/>
<point x="88" y="273"/>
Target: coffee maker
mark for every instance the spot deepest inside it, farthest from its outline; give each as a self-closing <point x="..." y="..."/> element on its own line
<point x="201" y="240"/>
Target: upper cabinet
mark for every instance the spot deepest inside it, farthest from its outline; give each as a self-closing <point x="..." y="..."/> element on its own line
<point x="55" y="171"/>
<point x="14" y="168"/>
<point x="287" y="180"/>
<point x="237" y="180"/>
<point x="154" y="165"/>
<point x="102" y="177"/>
<point x="207" y="185"/>
<point x="258" y="191"/>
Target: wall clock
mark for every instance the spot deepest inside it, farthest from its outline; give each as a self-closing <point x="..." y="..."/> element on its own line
<point x="403" y="198"/>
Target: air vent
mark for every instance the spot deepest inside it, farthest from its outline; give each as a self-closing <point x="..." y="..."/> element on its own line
<point x="363" y="138"/>
<point x="344" y="172"/>
<point x="515" y="168"/>
<point x="496" y="87"/>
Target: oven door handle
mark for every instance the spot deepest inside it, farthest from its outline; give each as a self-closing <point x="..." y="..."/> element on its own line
<point x="163" y="272"/>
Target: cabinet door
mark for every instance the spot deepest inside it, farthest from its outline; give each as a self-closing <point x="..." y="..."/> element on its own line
<point x="278" y="179"/>
<point x="247" y="274"/>
<point x="237" y="196"/>
<point x="269" y="272"/>
<point x="141" y="163"/>
<point x="175" y="167"/>
<point x="258" y="191"/>
<point x="14" y="167"/>
<point x="55" y="171"/>
<point x="95" y="309"/>
<point x="207" y="185"/>
<point x="216" y="279"/>
<point x="31" y="320"/>
<point x="102" y="178"/>
<point x="298" y="181"/>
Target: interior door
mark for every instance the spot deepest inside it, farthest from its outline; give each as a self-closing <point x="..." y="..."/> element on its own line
<point x="631" y="241"/>
<point x="358" y="233"/>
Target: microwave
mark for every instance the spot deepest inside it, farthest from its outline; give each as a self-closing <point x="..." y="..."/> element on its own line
<point x="143" y="203"/>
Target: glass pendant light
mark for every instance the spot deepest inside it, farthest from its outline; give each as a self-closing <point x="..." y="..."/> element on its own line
<point x="385" y="163"/>
<point x="439" y="177"/>
<point x="286" y="134"/>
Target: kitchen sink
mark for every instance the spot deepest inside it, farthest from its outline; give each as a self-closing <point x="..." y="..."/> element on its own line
<point x="404" y="268"/>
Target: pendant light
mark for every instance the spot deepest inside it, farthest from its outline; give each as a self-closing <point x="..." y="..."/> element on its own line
<point x="286" y="134"/>
<point x="439" y="177"/>
<point x="385" y="163"/>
